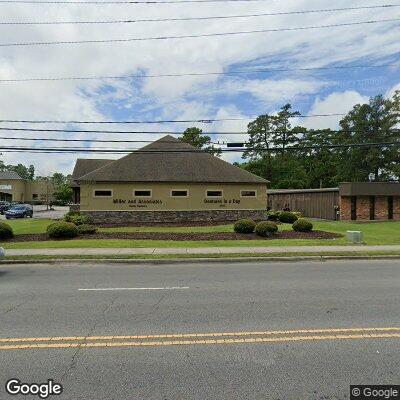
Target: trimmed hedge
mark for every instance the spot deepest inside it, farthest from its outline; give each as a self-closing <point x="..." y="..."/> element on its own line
<point x="6" y="231"/>
<point x="86" y="229"/>
<point x="302" y="225"/>
<point x="62" y="230"/>
<point x="78" y="219"/>
<point x="287" y="217"/>
<point x="266" y="228"/>
<point x="273" y="215"/>
<point x="246" y="225"/>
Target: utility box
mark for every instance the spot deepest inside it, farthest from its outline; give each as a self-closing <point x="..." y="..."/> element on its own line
<point x="354" y="236"/>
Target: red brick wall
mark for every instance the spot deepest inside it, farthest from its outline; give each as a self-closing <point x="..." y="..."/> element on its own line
<point x="345" y="208"/>
<point x="363" y="208"/>
<point x="381" y="208"/>
<point x="396" y="208"/>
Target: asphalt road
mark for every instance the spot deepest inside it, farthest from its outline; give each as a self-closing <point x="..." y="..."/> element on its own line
<point x="48" y="301"/>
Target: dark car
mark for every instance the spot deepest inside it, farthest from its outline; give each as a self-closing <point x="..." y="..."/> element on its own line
<point x="4" y="206"/>
<point x="19" y="211"/>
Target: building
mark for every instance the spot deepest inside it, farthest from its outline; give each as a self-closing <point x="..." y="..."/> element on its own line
<point x="166" y="181"/>
<point x="370" y="200"/>
<point x="354" y="201"/>
<point x="15" y="188"/>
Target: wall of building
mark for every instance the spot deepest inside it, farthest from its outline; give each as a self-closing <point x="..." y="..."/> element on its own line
<point x="311" y="203"/>
<point x="363" y="212"/>
<point x="27" y="191"/>
<point x="123" y="198"/>
<point x="14" y="186"/>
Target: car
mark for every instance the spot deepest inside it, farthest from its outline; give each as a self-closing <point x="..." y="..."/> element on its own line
<point x="4" y="206"/>
<point x="19" y="211"/>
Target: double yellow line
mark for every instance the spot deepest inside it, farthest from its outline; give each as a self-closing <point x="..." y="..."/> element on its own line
<point x="199" y="338"/>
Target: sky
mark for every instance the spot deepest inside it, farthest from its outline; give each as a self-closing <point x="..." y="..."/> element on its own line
<point x="241" y="96"/>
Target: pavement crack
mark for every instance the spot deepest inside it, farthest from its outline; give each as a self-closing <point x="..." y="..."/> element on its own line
<point x="30" y="298"/>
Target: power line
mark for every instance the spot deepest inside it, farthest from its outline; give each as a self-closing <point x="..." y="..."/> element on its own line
<point x="235" y="72"/>
<point x="216" y="34"/>
<point x="200" y="120"/>
<point x="123" y="1"/>
<point x="175" y="151"/>
<point x="131" y="21"/>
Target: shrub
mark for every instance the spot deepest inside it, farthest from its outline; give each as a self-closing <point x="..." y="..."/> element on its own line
<point x="287" y="217"/>
<point x="246" y="225"/>
<point x="86" y="229"/>
<point x="273" y="215"/>
<point x="302" y="225"/>
<point x="266" y="228"/>
<point x="79" y="219"/>
<point x="297" y="214"/>
<point x="62" y="229"/>
<point x="6" y="231"/>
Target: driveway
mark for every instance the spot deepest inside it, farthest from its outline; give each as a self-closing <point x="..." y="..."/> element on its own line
<point x="41" y="212"/>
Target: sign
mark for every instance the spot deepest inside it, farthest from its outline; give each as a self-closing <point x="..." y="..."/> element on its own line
<point x="5" y="187"/>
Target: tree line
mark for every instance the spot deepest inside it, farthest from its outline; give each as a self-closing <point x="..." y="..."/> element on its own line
<point x="300" y="158"/>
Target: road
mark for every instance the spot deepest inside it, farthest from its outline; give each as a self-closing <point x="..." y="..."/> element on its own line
<point x="250" y="301"/>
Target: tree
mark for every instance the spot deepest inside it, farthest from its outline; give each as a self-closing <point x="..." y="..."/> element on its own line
<point x="375" y="122"/>
<point x="63" y="194"/>
<point x="194" y="136"/>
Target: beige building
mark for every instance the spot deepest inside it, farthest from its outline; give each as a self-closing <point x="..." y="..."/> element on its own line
<point x="15" y="188"/>
<point x="165" y="181"/>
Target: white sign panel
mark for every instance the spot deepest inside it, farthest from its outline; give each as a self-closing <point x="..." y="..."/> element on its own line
<point x="5" y="187"/>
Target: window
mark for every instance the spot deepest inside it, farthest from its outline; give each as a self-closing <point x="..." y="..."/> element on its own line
<point x="248" y="193"/>
<point x="142" y="193"/>
<point x="214" y="193"/>
<point x="179" y="193"/>
<point x="372" y="207"/>
<point x="390" y="207"/>
<point x="35" y="196"/>
<point x="103" y="193"/>
<point x="353" y="207"/>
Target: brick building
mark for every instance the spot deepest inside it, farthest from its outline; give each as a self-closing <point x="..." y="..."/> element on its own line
<point x="370" y="201"/>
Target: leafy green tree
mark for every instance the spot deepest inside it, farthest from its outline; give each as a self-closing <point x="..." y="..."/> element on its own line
<point x="194" y="136"/>
<point x="63" y="194"/>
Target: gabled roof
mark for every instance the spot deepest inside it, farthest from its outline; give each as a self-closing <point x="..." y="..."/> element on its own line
<point x="84" y="166"/>
<point x="10" y="175"/>
<point x="171" y="160"/>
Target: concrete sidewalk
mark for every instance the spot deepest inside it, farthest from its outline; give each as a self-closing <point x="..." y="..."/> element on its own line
<point x="200" y="250"/>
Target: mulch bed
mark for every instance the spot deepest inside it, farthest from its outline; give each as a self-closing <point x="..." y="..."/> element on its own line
<point x="184" y="236"/>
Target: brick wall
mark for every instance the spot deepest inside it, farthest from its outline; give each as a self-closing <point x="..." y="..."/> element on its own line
<point x="123" y="217"/>
<point x="363" y="208"/>
<point x="381" y="208"/>
<point x="345" y="208"/>
<point x="396" y="208"/>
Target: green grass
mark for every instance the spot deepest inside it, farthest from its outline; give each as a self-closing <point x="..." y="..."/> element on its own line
<point x="28" y="225"/>
<point x="375" y="233"/>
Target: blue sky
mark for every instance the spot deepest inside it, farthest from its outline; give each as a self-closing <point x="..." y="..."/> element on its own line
<point x="211" y="96"/>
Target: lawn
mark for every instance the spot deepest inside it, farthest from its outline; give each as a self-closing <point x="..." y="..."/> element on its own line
<point x="375" y="233"/>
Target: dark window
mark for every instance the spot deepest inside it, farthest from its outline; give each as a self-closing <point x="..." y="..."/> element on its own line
<point x="353" y="207"/>
<point x="372" y="207"/>
<point x="214" y="193"/>
<point x="143" y="193"/>
<point x="248" y="193"/>
<point x="390" y="207"/>
<point x="179" y="193"/>
<point x="35" y="196"/>
<point x="103" y="193"/>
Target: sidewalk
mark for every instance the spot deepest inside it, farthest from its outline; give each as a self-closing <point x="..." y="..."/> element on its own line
<point x="201" y="250"/>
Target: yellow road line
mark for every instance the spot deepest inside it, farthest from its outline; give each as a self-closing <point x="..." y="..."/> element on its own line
<point x="195" y="335"/>
<point x="196" y="342"/>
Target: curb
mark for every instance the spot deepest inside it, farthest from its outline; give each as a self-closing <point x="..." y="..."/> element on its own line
<point x="235" y="260"/>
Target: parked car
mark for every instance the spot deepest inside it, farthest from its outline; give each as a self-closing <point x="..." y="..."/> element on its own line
<point x="4" y="206"/>
<point x="19" y="211"/>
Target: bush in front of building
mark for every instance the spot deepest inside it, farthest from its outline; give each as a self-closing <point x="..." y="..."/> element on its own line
<point x="6" y="231"/>
<point x="302" y="225"/>
<point x="266" y="228"/>
<point x="288" y="217"/>
<point x="69" y="215"/>
<point x="245" y="225"/>
<point x="62" y="230"/>
<point x="78" y="219"/>
<point x="86" y="229"/>
<point x="273" y="215"/>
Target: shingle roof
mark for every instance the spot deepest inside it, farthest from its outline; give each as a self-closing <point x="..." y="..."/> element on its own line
<point x="84" y="166"/>
<point x="9" y="175"/>
<point x="171" y="160"/>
